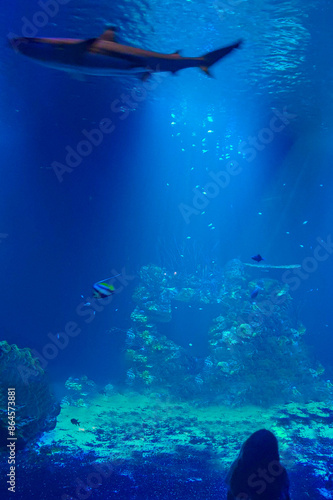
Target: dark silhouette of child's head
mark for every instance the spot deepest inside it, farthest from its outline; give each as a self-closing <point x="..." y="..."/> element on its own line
<point x="257" y="474"/>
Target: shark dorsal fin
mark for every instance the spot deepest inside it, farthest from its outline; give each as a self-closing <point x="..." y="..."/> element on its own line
<point x="109" y="34"/>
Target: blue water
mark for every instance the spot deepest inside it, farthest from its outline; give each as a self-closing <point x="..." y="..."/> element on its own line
<point x="133" y="200"/>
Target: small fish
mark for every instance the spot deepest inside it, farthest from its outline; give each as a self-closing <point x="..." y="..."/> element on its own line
<point x="130" y="374"/>
<point x="257" y="258"/>
<point x="255" y="292"/>
<point x="208" y="362"/>
<point x="102" y="289"/>
<point x="130" y="335"/>
<point x="133" y="347"/>
<point x="75" y="422"/>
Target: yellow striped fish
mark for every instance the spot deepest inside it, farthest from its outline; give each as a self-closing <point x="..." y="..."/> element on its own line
<point x="102" y="289"/>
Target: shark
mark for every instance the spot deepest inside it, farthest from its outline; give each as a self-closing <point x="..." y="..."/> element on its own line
<point x="106" y="56"/>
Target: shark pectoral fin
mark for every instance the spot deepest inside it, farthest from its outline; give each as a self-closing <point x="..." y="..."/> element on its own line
<point x="177" y="53"/>
<point x="205" y="69"/>
<point x="109" y="34"/>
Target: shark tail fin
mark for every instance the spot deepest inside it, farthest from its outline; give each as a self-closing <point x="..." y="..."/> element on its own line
<point x="212" y="57"/>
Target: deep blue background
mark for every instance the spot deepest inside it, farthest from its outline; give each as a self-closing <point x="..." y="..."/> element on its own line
<point x="120" y="207"/>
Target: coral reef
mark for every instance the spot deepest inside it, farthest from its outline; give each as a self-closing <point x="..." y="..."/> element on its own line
<point x="261" y="341"/>
<point x="154" y="359"/>
<point x="79" y="391"/>
<point x="256" y="349"/>
<point x="36" y="408"/>
<point x="234" y="272"/>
